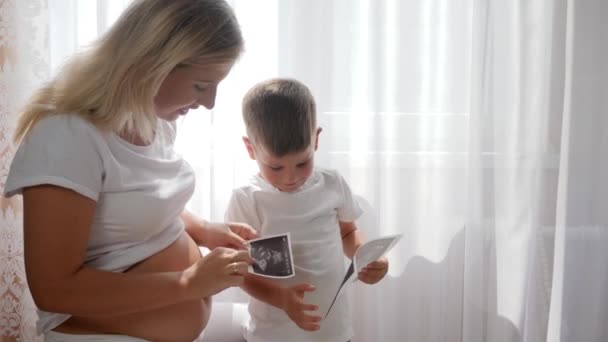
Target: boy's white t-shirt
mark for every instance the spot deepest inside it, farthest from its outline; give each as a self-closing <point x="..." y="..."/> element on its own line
<point x="311" y="216"/>
<point x="140" y="191"/>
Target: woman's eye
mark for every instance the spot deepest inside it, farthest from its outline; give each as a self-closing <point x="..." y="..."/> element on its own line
<point x="199" y="87"/>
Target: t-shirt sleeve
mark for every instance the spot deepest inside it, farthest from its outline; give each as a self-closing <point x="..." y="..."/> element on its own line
<point x="61" y="150"/>
<point x="350" y="210"/>
<point x="241" y="209"/>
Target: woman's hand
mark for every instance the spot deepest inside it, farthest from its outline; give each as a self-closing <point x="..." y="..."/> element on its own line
<point x="216" y="271"/>
<point x="217" y="234"/>
<point x="231" y="234"/>
<point x="374" y="271"/>
<point x="292" y="301"/>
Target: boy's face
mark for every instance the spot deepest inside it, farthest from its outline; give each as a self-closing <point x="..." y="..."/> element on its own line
<point x="287" y="173"/>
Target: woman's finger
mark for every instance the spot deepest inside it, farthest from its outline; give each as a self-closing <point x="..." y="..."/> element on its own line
<point x="243" y="230"/>
<point x="236" y="241"/>
<point x="237" y="268"/>
<point x="242" y="256"/>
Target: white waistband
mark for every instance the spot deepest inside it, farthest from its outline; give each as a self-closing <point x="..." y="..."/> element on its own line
<point x="53" y="336"/>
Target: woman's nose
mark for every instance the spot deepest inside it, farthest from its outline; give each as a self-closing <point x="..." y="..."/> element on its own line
<point x="207" y="99"/>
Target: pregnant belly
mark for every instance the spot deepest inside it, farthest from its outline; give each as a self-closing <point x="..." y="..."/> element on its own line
<point x="179" y="322"/>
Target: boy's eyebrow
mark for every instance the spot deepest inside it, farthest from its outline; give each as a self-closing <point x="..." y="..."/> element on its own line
<point x="306" y="159"/>
<point x="273" y="166"/>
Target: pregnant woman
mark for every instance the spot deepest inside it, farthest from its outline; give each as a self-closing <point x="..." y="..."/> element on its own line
<point x="110" y="252"/>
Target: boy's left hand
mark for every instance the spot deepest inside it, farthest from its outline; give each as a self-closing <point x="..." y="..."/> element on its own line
<point x="374" y="271"/>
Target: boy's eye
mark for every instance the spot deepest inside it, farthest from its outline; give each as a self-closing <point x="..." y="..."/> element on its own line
<point x="276" y="168"/>
<point x="200" y="87"/>
<point x="302" y="164"/>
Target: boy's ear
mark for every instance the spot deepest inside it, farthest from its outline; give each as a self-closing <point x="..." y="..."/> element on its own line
<point x="319" y="130"/>
<point x="249" y="148"/>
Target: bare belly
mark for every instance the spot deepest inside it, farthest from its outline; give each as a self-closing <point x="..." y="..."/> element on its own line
<point x="180" y="322"/>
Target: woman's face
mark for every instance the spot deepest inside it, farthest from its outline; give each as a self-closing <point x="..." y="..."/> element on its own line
<point x="188" y="87"/>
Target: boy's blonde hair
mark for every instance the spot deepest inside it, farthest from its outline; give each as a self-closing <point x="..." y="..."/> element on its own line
<point x="113" y="82"/>
<point x="280" y="115"/>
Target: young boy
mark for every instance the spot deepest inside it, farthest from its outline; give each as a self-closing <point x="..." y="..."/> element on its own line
<point x="314" y="205"/>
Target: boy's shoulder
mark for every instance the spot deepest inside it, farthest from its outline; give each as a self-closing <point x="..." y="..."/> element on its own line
<point x="329" y="176"/>
<point x="252" y="185"/>
<point x="327" y="172"/>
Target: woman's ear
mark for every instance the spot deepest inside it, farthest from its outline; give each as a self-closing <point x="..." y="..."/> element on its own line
<point x="319" y="130"/>
<point x="249" y="148"/>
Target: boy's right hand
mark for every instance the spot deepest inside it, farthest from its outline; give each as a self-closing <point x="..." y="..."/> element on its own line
<point x="292" y="299"/>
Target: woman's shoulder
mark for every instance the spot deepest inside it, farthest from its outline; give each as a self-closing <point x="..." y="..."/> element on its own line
<point x="68" y="132"/>
<point x="69" y="125"/>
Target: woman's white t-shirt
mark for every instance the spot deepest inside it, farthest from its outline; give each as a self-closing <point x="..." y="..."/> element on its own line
<point x="140" y="191"/>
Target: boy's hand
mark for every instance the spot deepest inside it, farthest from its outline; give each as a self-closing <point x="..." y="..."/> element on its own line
<point x="374" y="271"/>
<point x="292" y="299"/>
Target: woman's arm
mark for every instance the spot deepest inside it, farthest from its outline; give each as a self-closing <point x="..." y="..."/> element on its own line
<point x="216" y="234"/>
<point x="57" y="224"/>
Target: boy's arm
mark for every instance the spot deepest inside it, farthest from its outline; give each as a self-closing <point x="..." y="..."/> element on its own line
<point x="290" y="299"/>
<point x="263" y="289"/>
<point x="351" y="238"/>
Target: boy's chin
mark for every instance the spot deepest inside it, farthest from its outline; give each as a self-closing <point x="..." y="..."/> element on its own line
<point x="289" y="189"/>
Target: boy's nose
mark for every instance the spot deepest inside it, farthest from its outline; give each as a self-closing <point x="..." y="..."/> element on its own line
<point x="290" y="177"/>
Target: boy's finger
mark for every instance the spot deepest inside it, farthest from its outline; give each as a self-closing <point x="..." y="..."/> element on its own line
<point x="312" y="319"/>
<point x="308" y="307"/>
<point x="301" y="288"/>
<point x="309" y="326"/>
<point x="373" y="266"/>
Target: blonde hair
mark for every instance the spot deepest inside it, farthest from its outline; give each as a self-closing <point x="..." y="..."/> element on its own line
<point x="113" y="82"/>
<point x="280" y="114"/>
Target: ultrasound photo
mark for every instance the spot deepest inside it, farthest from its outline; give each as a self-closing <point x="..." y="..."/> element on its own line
<point x="272" y="256"/>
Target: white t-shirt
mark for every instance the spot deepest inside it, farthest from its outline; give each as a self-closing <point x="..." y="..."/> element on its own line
<point x="311" y="216"/>
<point x="140" y="191"/>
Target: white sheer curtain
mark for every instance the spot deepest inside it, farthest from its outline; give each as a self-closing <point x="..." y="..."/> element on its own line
<point x="474" y="127"/>
<point x="477" y="128"/>
<point x="579" y="301"/>
<point x="23" y="64"/>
